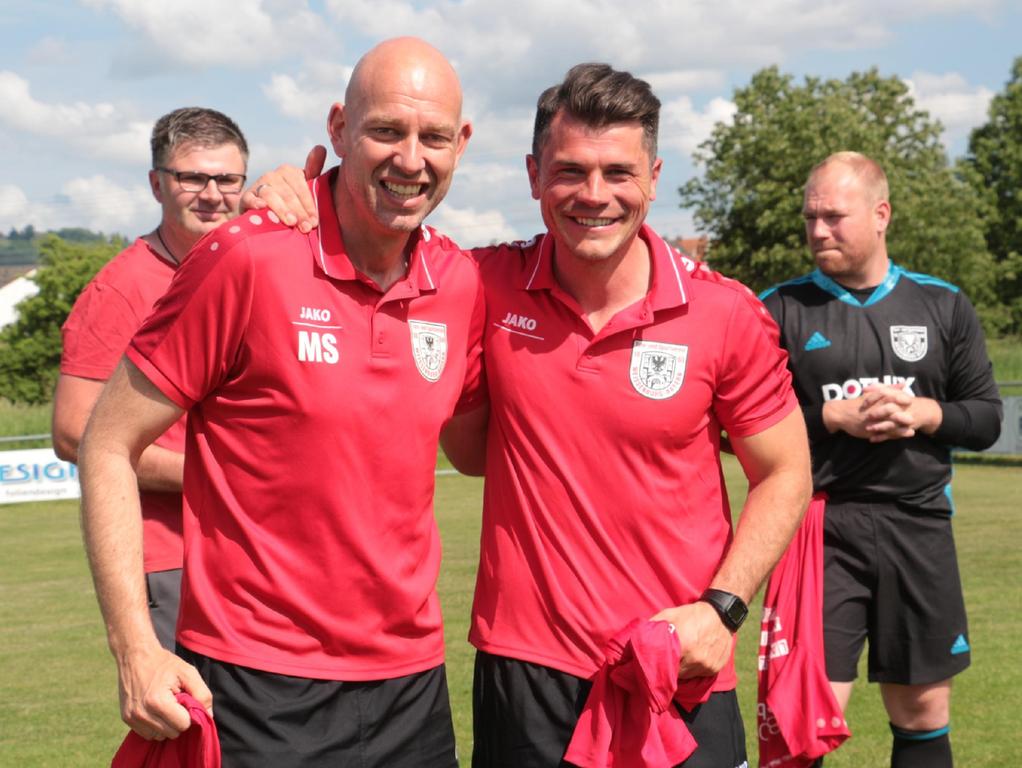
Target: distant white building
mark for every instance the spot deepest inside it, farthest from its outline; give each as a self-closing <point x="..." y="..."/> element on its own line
<point x="12" y="293"/>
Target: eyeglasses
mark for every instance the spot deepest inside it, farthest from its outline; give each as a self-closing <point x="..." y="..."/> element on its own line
<point x="194" y="181"/>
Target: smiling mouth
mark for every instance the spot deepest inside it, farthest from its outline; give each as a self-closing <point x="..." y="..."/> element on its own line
<point x="404" y="191"/>
<point x="589" y="222"/>
<point x="208" y="215"/>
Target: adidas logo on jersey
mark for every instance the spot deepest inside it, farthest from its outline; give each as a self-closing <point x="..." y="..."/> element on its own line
<point x="817" y="341"/>
<point x="961" y="645"/>
<point x="853" y="388"/>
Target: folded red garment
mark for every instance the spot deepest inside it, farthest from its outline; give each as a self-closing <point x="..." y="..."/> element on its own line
<point x="198" y="747"/>
<point x="797" y="716"/>
<point x="628" y="720"/>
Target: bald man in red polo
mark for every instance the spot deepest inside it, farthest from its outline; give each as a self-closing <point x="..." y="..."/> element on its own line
<point x="317" y="372"/>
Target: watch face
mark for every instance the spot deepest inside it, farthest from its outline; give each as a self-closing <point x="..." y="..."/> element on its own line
<point x="737" y="612"/>
<point x="731" y="608"/>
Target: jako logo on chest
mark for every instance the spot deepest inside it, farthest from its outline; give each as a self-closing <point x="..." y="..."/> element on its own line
<point x="316" y="314"/>
<point x="519" y="321"/>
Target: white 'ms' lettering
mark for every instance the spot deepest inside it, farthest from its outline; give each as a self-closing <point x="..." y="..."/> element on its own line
<point x="314" y="347"/>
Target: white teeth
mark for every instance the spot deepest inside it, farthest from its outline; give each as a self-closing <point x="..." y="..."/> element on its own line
<point x="403" y="190"/>
<point x="594" y="222"/>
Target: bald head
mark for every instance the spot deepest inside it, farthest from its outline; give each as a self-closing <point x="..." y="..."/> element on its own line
<point x="865" y="171"/>
<point x="405" y="65"/>
<point x="399" y="135"/>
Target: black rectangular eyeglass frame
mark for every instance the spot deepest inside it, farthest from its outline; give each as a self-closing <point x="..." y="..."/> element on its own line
<point x="196" y="181"/>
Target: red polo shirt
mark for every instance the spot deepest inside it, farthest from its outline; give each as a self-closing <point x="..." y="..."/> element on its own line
<point x="105" y="316"/>
<point x="604" y="498"/>
<point x="315" y="405"/>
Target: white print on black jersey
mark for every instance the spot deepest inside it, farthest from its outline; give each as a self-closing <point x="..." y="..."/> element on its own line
<point x="909" y="342"/>
<point x="657" y="369"/>
<point x="429" y="347"/>
<point x="853" y="388"/>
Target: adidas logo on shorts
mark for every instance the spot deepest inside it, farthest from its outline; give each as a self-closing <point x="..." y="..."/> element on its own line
<point x="961" y="645"/>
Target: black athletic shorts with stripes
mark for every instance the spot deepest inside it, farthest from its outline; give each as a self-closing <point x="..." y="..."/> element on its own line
<point x="524" y="714"/>
<point x="891" y="575"/>
<point x="266" y="720"/>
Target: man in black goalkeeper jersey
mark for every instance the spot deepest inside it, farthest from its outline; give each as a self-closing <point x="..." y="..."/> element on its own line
<point x="891" y="369"/>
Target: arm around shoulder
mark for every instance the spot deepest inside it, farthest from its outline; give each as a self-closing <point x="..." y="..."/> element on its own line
<point x="463" y="439"/>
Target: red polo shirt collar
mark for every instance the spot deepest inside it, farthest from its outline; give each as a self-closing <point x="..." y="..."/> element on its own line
<point x="670" y="285"/>
<point x="332" y="260"/>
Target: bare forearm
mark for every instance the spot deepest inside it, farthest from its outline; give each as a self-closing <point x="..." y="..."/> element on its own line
<point x="128" y="416"/>
<point x="770" y="517"/>
<point x="160" y="469"/>
<point x="776" y="462"/>
<point x="112" y="528"/>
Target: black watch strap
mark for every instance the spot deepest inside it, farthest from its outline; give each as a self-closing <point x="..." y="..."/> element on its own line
<point x="731" y="608"/>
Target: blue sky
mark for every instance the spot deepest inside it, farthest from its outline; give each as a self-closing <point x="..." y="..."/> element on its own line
<point x="81" y="83"/>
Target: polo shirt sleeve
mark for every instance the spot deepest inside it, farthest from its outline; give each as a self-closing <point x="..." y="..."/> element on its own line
<point x="191" y="342"/>
<point x="811" y="412"/>
<point x="474" y="392"/>
<point x="753" y="389"/>
<point x="96" y="332"/>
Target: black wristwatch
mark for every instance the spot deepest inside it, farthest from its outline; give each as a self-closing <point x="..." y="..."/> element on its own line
<point x="732" y="608"/>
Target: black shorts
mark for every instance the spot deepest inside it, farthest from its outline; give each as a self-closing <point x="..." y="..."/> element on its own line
<point x="891" y="575"/>
<point x="266" y="720"/>
<point x="163" y="589"/>
<point x="523" y="716"/>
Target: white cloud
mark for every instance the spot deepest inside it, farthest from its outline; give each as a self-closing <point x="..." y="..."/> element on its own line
<point x="234" y="33"/>
<point x="684" y="128"/>
<point x="470" y="227"/>
<point x="308" y="96"/>
<point x="15" y="209"/>
<point x="950" y="98"/>
<point x="95" y="202"/>
<point x="684" y="80"/>
<point x="102" y="129"/>
<point x="504" y="137"/>
<point x="49" y="51"/>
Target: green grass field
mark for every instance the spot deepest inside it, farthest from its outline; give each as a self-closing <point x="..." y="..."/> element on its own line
<point x="58" y="700"/>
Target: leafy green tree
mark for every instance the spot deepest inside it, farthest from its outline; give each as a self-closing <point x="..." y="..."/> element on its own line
<point x="995" y="157"/>
<point x="749" y="198"/>
<point x="30" y="347"/>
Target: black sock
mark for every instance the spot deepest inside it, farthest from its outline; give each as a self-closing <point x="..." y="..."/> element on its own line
<point x="921" y="749"/>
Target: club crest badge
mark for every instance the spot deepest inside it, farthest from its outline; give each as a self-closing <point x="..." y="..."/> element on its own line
<point x="657" y="369"/>
<point x="909" y="342"/>
<point x="429" y="348"/>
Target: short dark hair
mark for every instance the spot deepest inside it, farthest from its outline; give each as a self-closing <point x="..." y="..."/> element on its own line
<point x="599" y="95"/>
<point x="202" y="127"/>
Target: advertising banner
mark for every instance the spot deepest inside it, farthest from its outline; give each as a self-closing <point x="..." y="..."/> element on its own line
<point x="36" y="475"/>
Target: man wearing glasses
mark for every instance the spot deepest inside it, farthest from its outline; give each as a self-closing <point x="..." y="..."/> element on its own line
<point x="199" y="160"/>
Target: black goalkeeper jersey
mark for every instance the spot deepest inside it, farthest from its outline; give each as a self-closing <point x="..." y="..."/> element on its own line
<point x="912" y="329"/>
